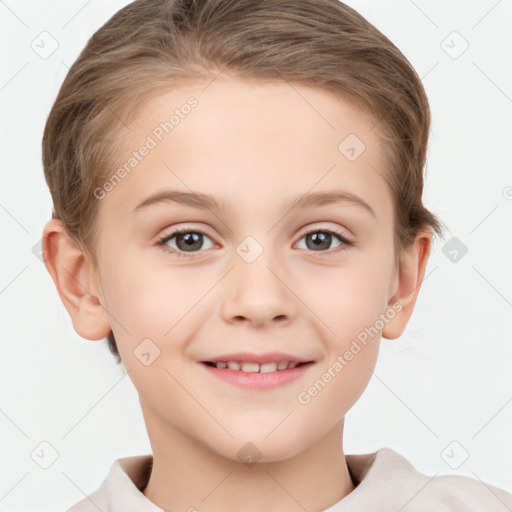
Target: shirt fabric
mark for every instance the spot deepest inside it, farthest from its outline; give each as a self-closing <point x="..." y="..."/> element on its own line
<point x="385" y="482"/>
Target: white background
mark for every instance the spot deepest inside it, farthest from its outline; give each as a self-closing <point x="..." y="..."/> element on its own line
<point x="448" y="378"/>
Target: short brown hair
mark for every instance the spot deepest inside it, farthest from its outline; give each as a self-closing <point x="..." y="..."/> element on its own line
<point x="151" y="45"/>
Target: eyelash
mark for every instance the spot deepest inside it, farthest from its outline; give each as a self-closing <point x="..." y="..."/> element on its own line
<point x="162" y="242"/>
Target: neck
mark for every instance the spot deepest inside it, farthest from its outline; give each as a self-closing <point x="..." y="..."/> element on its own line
<point x="187" y="475"/>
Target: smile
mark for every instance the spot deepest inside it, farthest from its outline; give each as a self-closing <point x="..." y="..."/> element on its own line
<point x="255" y="376"/>
<point x="250" y="367"/>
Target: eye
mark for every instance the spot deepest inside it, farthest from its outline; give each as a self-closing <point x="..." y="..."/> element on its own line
<point x="186" y="241"/>
<point x="191" y="241"/>
<point x="319" y="239"/>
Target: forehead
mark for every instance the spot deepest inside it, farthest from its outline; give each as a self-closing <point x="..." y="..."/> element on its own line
<point x="252" y="144"/>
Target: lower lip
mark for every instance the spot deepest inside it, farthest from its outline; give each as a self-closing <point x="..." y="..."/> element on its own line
<point x="257" y="380"/>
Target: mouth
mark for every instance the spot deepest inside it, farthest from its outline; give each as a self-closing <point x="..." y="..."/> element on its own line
<point x="253" y="367"/>
<point x="255" y="376"/>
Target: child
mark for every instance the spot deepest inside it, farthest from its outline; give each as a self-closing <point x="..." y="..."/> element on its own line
<point x="198" y="154"/>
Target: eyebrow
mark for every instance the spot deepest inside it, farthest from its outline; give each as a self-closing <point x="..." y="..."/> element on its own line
<point x="209" y="202"/>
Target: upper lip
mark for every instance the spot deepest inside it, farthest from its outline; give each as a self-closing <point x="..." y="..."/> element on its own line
<point x="267" y="357"/>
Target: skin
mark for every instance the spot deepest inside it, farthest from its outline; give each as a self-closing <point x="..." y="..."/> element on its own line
<point x="253" y="146"/>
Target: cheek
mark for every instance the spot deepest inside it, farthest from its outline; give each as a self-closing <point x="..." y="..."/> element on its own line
<point x="349" y="298"/>
<point x="139" y="302"/>
<point x="146" y="297"/>
<point x="349" y="309"/>
<point x="156" y="304"/>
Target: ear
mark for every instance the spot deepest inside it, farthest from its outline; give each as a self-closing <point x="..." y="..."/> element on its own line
<point x="75" y="281"/>
<point x="410" y="276"/>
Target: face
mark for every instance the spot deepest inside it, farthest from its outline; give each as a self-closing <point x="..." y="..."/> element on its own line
<point x="249" y="272"/>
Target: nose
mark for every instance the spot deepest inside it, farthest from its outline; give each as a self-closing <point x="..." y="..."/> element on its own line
<point x="258" y="293"/>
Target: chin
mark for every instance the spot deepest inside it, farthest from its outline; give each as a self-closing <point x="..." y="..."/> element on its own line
<point x="253" y="446"/>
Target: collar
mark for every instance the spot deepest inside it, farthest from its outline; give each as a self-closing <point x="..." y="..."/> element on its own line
<point x="374" y="474"/>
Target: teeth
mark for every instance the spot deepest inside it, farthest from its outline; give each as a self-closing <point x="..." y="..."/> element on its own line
<point x="268" y="367"/>
<point x="256" y="367"/>
<point x="250" y="367"/>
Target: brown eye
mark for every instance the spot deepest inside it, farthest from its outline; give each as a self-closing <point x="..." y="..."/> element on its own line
<point x="191" y="241"/>
<point x="184" y="241"/>
<point x="320" y="240"/>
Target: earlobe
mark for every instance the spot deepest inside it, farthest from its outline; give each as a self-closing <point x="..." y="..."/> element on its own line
<point x="410" y="276"/>
<point x="74" y="281"/>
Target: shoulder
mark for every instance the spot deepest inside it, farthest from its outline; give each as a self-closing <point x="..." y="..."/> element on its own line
<point x="448" y="493"/>
<point x="464" y="494"/>
<point x="93" y="502"/>
<point x="121" y="491"/>
<point x="97" y="500"/>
